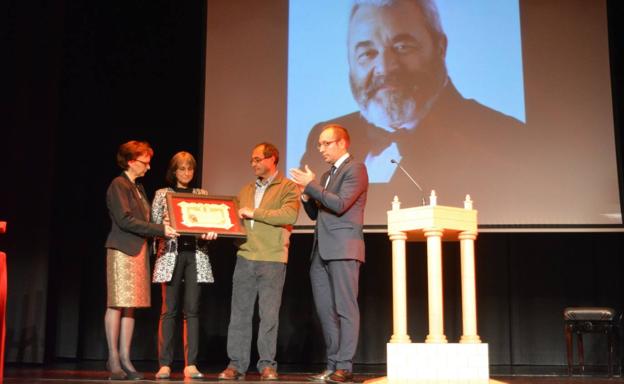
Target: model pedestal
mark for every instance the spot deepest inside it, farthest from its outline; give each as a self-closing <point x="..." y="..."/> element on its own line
<point x="437" y="363"/>
<point x="435" y="360"/>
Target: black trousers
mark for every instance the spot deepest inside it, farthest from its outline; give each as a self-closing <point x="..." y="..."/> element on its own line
<point x="184" y="275"/>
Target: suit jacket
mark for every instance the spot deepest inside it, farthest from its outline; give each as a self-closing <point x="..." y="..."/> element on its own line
<point x="339" y="211"/>
<point x="129" y="211"/>
<point x="459" y="147"/>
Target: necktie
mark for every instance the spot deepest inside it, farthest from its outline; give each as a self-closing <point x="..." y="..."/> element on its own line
<point x="332" y="170"/>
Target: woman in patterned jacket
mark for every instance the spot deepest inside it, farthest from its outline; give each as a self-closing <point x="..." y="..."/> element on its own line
<point x="180" y="259"/>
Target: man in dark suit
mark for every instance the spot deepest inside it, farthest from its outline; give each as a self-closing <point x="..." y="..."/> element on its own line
<point x="337" y="203"/>
<point x="410" y="110"/>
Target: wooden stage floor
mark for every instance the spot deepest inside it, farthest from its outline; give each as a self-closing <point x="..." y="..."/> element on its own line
<point x="92" y="372"/>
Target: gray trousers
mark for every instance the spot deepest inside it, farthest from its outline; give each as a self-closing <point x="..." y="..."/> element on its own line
<point x="335" y="291"/>
<point x="263" y="280"/>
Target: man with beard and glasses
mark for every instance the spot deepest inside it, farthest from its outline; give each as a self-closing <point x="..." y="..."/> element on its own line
<point x="410" y="109"/>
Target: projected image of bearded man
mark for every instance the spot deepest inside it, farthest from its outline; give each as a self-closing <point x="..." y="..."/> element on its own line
<point x="396" y="64"/>
<point x="408" y="105"/>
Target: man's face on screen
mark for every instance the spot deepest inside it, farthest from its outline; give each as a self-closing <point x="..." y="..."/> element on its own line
<point x="396" y="65"/>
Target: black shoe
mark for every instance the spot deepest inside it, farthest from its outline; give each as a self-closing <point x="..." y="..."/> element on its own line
<point x="115" y="375"/>
<point x="118" y="375"/>
<point x="132" y="375"/>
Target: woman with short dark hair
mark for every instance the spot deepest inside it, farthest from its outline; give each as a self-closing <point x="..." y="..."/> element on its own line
<point x="127" y="262"/>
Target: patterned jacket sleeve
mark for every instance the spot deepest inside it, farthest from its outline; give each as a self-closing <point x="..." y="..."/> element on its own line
<point x="159" y="205"/>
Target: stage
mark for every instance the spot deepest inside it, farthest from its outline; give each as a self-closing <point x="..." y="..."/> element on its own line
<point x="93" y="372"/>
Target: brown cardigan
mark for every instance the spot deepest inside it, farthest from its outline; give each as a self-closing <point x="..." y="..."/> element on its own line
<point x="269" y="238"/>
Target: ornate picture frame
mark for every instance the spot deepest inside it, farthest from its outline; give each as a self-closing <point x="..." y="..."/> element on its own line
<point x="191" y="213"/>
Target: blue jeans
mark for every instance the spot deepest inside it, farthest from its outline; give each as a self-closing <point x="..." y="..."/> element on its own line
<point x="263" y="280"/>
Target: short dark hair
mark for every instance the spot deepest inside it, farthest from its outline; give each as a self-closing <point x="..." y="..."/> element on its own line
<point x="177" y="159"/>
<point x="132" y="150"/>
<point x="340" y="132"/>
<point x="269" y="150"/>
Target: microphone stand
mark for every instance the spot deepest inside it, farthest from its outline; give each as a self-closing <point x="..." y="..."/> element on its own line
<point x="424" y="202"/>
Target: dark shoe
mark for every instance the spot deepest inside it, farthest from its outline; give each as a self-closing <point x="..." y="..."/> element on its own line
<point x="132" y="375"/>
<point x="268" y="373"/>
<point x="321" y="376"/>
<point x="341" y="376"/>
<point x="231" y="374"/>
<point x="115" y="375"/>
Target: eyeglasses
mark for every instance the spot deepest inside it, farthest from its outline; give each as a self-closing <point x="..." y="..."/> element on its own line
<point x="325" y="144"/>
<point x="256" y="160"/>
<point x="146" y="163"/>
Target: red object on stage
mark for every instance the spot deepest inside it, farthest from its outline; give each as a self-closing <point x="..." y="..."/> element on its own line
<point x="3" y="297"/>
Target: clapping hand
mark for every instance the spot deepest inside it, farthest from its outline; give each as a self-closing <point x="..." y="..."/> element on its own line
<point x="302" y="178"/>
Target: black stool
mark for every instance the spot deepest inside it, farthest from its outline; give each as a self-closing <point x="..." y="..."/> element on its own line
<point x="581" y="320"/>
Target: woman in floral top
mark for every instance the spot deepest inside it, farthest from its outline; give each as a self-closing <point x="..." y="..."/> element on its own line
<point x="180" y="259"/>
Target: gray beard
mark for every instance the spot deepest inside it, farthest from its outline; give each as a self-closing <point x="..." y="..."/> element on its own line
<point x="391" y="113"/>
<point x="405" y="107"/>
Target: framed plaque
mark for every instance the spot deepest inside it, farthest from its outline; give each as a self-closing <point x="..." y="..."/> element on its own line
<point x="190" y="213"/>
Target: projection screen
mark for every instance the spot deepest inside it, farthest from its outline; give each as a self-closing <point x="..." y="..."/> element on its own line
<point x="512" y="105"/>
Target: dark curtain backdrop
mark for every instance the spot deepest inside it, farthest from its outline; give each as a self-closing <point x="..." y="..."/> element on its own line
<point x="84" y="77"/>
